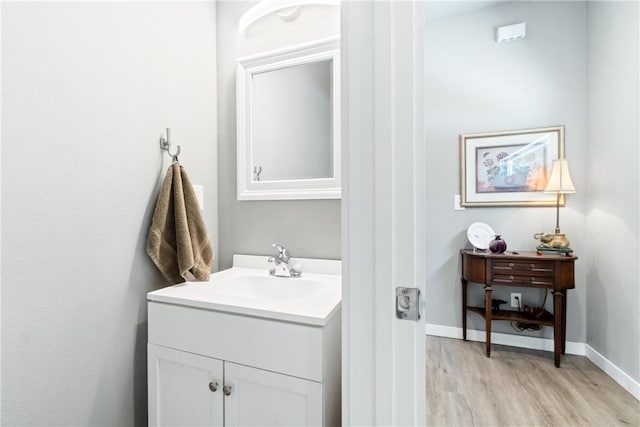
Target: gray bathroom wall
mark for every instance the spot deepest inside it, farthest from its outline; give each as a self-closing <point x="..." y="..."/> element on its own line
<point x="88" y="87"/>
<point x="308" y="228"/>
<point x="473" y="84"/>
<point x="613" y="219"/>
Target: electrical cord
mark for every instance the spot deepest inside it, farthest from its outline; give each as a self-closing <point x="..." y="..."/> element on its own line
<point x="544" y="301"/>
<point x="524" y="326"/>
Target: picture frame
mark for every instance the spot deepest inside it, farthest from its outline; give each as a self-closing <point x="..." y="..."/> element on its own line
<point x="509" y="168"/>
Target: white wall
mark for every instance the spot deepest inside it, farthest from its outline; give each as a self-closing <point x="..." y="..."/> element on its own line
<point x="474" y="85"/>
<point x="308" y="228"/>
<point x="613" y="219"/>
<point x="0" y="227"/>
<point x="87" y="90"/>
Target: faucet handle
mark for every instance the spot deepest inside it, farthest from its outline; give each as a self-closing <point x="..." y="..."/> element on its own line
<point x="284" y="253"/>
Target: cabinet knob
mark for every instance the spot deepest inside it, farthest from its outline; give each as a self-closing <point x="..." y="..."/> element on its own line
<point x="226" y="390"/>
<point x="532" y="266"/>
<point x="213" y="386"/>
<point x="511" y="265"/>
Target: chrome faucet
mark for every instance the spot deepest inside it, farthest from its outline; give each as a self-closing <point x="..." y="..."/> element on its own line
<point x="282" y="267"/>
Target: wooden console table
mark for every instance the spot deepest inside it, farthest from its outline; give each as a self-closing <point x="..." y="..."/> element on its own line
<point x="522" y="269"/>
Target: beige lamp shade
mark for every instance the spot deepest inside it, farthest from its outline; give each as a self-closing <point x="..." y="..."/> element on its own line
<point x="560" y="179"/>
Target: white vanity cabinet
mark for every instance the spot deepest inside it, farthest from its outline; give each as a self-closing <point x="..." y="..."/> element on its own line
<point x="184" y="389"/>
<point x="192" y="390"/>
<point x="214" y="364"/>
<point x="268" y="398"/>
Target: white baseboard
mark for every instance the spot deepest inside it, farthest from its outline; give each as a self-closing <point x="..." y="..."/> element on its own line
<point x="618" y="375"/>
<point x="546" y="344"/>
<point x="522" y="341"/>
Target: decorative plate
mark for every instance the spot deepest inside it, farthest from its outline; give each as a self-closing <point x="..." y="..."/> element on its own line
<point x="480" y="235"/>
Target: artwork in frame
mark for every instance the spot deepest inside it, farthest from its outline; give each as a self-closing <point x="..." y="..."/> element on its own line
<point x="509" y="168"/>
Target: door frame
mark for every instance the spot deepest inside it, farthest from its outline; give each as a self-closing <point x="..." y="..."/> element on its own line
<point x="383" y="211"/>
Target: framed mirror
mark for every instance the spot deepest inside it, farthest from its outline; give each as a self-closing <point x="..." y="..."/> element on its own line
<point x="288" y="123"/>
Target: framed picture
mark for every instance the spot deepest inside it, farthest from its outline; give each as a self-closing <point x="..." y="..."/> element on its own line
<point x="509" y="168"/>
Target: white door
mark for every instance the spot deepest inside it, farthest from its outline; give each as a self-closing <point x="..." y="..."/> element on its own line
<point x="383" y="211"/>
<point x="256" y="397"/>
<point x="181" y="388"/>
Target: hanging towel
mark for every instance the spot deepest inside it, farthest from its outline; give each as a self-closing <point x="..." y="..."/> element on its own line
<point x="178" y="243"/>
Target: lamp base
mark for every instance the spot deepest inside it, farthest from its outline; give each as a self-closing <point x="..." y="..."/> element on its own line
<point x="552" y="240"/>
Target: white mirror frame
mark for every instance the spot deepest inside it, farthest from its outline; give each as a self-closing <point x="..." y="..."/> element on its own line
<point x="297" y="189"/>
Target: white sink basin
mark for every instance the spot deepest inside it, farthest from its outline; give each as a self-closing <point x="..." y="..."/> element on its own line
<point x="247" y="288"/>
<point x="242" y="283"/>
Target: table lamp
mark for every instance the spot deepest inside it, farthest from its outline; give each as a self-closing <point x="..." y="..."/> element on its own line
<point x="560" y="183"/>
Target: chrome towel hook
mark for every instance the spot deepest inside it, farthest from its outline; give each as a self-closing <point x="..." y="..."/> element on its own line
<point x="165" y="144"/>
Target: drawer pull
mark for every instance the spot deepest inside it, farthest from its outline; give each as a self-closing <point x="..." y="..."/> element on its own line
<point x="510" y="277"/>
<point x="226" y="390"/>
<point x="532" y="266"/>
<point x="511" y="265"/>
<point x="213" y="386"/>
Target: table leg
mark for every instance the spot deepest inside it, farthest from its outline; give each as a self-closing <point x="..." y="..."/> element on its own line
<point x="564" y="320"/>
<point x="557" y="326"/>
<point x="464" y="309"/>
<point x="487" y="317"/>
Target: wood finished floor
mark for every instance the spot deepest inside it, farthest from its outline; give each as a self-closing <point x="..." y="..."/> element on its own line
<point x="520" y="387"/>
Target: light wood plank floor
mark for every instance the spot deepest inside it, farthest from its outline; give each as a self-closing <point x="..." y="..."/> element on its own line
<point x="520" y="387"/>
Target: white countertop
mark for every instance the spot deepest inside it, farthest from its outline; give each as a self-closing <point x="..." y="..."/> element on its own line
<point x="248" y="289"/>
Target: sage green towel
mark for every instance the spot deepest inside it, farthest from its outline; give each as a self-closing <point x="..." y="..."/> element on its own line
<point x="178" y="243"/>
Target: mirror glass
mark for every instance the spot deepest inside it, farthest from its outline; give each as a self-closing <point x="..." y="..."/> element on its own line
<point x="292" y="115"/>
<point x="288" y="123"/>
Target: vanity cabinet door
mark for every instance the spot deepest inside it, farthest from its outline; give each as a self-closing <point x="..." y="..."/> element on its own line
<point x="265" y="398"/>
<point x="181" y="388"/>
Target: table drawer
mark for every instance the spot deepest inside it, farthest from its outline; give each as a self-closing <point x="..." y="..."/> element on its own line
<point x="524" y="280"/>
<point x="528" y="268"/>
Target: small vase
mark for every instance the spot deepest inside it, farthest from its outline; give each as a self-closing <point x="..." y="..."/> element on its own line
<point x="497" y="245"/>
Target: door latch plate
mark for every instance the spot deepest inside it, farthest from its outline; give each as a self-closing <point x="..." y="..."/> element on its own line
<point x="408" y="303"/>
